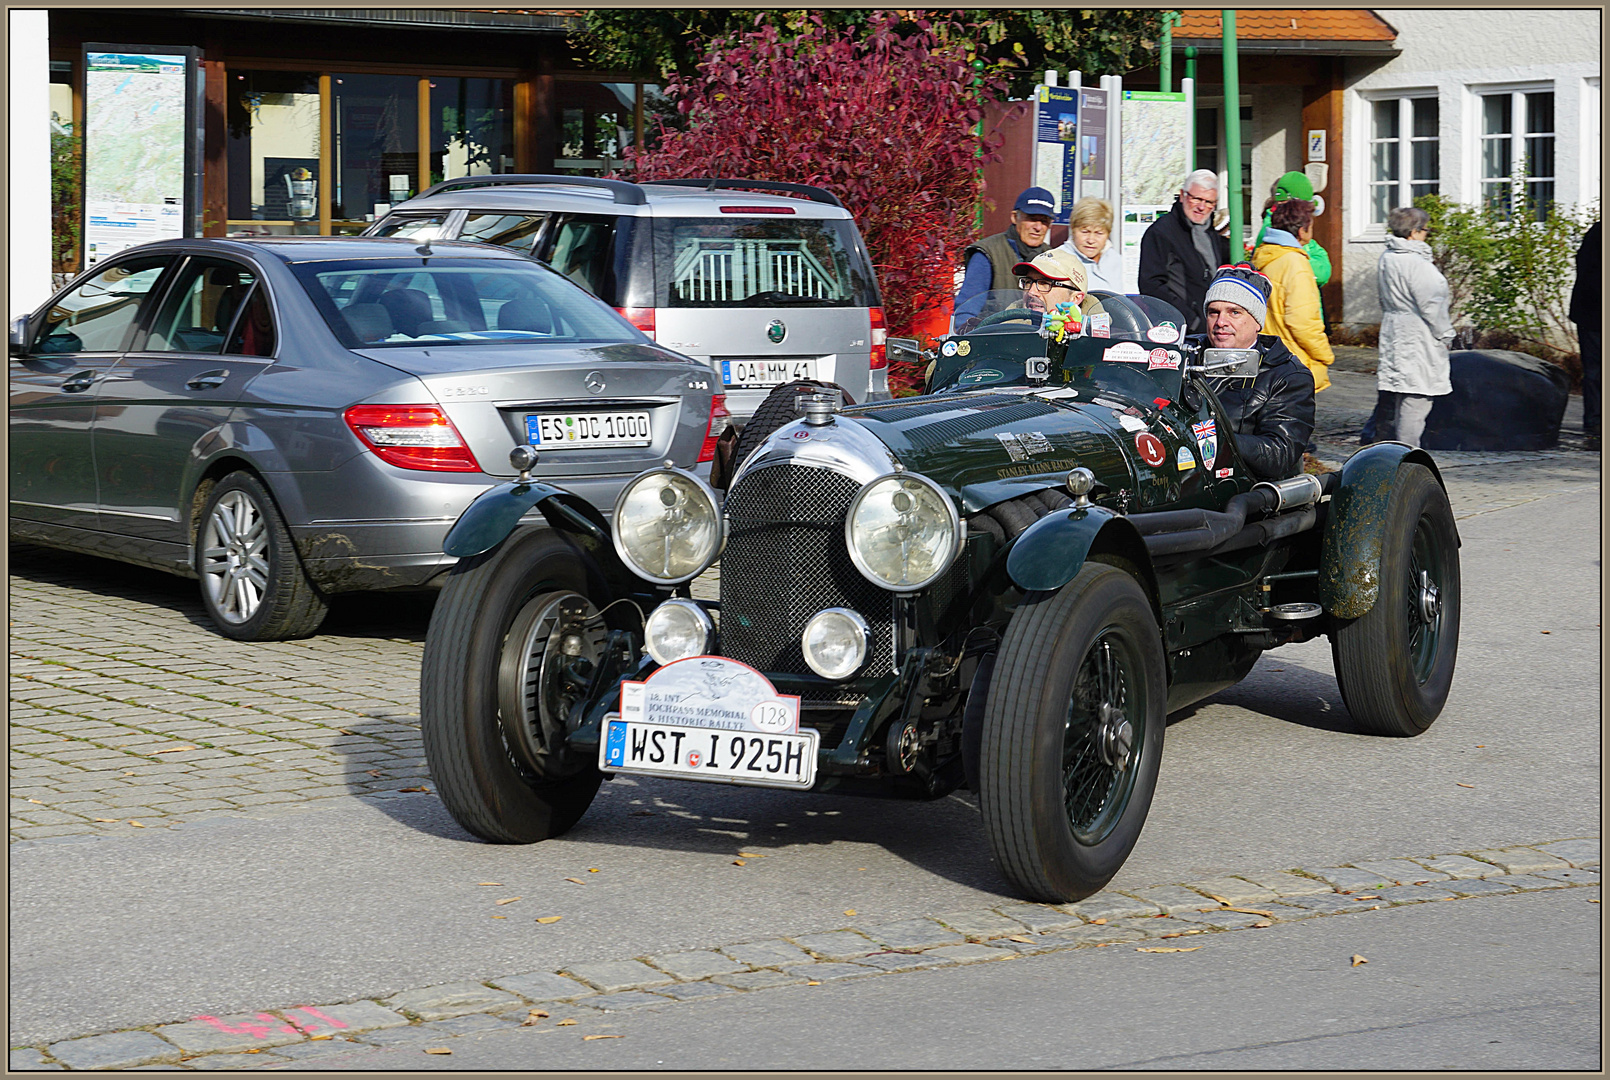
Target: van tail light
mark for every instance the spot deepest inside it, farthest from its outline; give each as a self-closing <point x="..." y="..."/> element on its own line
<point x="720" y="421"/>
<point x="880" y="338"/>
<point x="412" y="437"/>
<point x="640" y="317"/>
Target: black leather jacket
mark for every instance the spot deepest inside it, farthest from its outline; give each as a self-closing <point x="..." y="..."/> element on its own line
<point x="1273" y="416"/>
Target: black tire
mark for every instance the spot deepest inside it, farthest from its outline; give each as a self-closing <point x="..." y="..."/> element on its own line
<point x="777" y="409"/>
<point x="252" y="582"/>
<point x="493" y="741"/>
<point x="1395" y="663"/>
<point x="1063" y="801"/>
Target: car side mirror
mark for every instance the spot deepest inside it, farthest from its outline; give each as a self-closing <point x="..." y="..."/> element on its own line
<point x="903" y="350"/>
<point x="19" y="335"/>
<point x="1228" y="363"/>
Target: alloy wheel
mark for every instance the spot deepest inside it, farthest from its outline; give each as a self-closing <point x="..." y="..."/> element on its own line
<point x="234" y="557"/>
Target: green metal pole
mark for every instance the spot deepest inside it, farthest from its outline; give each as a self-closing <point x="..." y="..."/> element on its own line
<point x="1165" y="49"/>
<point x="1190" y="62"/>
<point x="1232" y="134"/>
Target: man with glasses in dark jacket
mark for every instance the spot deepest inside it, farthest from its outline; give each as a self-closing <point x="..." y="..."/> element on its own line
<point x="1180" y="250"/>
<point x="1271" y="418"/>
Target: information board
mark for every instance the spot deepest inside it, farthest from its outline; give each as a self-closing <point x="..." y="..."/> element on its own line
<point x="140" y="172"/>
<point x="1056" y="146"/>
<point x="1156" y="138"/>
<point x="1093" y="144"/>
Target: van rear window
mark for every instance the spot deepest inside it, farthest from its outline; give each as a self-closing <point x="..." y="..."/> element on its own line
<point x="752" y="263"/>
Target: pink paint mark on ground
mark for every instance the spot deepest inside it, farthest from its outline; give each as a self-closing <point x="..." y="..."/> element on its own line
<point x="318" y="1016"/>
<point x="245" y="1027"/>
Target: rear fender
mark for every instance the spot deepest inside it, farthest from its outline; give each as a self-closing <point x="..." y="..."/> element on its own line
<point x="487" y="522"/>
<point x="1051" y="552"/>
<point x="1350" y="551"/>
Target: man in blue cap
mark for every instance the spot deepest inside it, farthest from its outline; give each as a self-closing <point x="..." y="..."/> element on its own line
<point x="989" y="262"/>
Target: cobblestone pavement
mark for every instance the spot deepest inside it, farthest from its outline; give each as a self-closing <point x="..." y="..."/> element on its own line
<point x="583" y="996"/>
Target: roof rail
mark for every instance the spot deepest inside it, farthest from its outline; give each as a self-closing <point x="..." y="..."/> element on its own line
<point x="624" y="192"/>
<point x="710" y="183"/>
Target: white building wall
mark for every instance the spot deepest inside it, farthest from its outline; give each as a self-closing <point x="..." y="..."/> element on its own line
<point x="1456" y="54"/>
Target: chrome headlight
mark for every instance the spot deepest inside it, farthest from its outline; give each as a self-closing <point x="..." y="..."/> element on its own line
<point x="836" y="642"/>
<point x="676" y="630"/>
<point x="667" y="527"/>
<point x="902" y="531"/>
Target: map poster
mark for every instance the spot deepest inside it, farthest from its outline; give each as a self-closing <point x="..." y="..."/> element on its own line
<point x="1093" y="143"/>
<point x="1056" y="146"/>
<point x="1156" y="137"/>
<point x="141" y="173"/>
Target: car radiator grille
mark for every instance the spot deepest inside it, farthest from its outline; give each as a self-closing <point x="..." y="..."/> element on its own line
<point x="786" y="560"/>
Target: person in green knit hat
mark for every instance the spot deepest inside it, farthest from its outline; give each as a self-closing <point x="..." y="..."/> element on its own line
<point x="1296" y="185"/>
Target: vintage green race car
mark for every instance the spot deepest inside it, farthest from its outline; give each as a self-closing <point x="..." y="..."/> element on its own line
<point x="1007" y="584"/>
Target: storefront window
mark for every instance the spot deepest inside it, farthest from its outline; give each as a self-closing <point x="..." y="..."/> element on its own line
<point x="273" y="153"/>
<point x="471" y="127"/>
<point x="597" y="121"/>
<point x="375" y="125"/>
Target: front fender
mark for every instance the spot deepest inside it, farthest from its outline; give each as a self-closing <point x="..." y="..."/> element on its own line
<point x="487" y="521"/>
<point x="1050" y="553"/>
<point x="1350" y="552"/>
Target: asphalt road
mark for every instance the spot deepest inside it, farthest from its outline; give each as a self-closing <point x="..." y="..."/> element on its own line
<point x="340" y="898"/>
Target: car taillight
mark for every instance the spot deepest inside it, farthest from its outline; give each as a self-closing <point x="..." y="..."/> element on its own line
<point x="412" y="437"/>
<point x="720" y="420"/>
<point x="880" y="337"/>
<point x="640" y="317"/>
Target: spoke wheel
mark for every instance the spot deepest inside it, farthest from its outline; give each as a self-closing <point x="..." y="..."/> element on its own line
<point x="1395" y="663"/>
<point x="1073" y="735"/>
<point x="252" y="581"/>
<point x="509" y="639"/>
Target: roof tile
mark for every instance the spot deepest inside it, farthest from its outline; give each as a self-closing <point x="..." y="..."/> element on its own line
<point x="1290" y="24"/>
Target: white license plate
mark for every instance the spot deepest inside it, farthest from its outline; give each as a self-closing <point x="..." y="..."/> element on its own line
<point x="701" y="753"/>
<point x="766" y="372"/>
<point x="571" y="431"/>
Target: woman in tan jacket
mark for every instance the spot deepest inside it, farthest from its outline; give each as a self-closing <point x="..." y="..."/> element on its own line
<point x="1294" y="313"/>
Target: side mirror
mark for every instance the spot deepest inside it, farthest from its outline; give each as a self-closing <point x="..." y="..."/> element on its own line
<point x="1228" y="363"/>
<point x="903" y="350"/>
<point x="19" y="335"/>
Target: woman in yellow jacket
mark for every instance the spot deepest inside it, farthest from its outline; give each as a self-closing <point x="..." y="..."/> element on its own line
<point x="1294" y="312"/>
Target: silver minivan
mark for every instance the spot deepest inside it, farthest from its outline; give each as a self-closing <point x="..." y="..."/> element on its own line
<point x="766" y="286"/>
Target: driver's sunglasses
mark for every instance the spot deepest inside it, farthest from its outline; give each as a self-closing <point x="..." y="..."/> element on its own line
<point x="1040" y="284"/>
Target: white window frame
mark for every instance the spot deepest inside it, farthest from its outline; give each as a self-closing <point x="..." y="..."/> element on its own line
<point x="1518" y="135"/>
<point x="1406" y="139"/>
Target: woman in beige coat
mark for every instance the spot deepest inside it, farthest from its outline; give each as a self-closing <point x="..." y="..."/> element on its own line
<point x="1415" y="326"/>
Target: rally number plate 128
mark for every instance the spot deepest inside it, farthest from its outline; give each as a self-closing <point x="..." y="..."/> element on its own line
<point x="710" y="718"/>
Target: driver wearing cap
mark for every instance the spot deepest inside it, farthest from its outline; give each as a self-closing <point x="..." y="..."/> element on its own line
<point x="1056" y="277"/>
<point x="1273" y="416"/>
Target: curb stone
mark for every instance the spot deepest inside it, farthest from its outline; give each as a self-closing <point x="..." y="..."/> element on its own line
<point x="449" y="1010"/>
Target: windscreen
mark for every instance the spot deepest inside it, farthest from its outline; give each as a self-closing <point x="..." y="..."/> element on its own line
<point x="378" y="303"/>
<point x="752" y="262"/>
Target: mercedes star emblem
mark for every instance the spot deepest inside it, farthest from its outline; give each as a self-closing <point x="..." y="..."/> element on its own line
<point x="595" y="382"/>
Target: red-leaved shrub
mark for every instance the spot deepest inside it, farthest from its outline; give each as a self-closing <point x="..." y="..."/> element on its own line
<point x="888" y="123"/>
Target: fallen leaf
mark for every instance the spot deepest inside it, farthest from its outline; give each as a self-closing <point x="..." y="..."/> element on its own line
<point x="437" y="1050"/>
<point x="592" y="869"/>
<point x="319" y="1038"/>
<point x="1544" y="631"/>
<point x="255" y="1051"/>
<point x="1220" y="899"/>
<point x="179" y="749"/>
<point x="813" y="982"/>
<point x="737" y="862"/>
<point x="136" y="824"/>
<point x="1366" y="898"/>
<point x="1593" y="901"/>
<point x="1481" y="746"/>
<point x="372" y="772"/>
<point x="1024" y="938"/>
<point x="849" y="911"/>
<point x="1357" y="960"/>
<point x="1098" y="922"/>
<point x="860" y="868"/>
<point x="1252" y="911"/>
<point x="500" y="916"/>
<point x="507" y="900"/>
<point x="550" y="918"/>
<point x="427" y="791"/>
<point x="577" y="880"/>
<point x="749" y="855"/>
<point x="344" y="731"/>
<point x="104" y="819"/>
<point x="533" y="1018"/>
<point x="1169" y="948"/>
<point x="489" y="883"/>
<point x="36" y="801"/>
<point x="590" y="1038"/>
<point x="1265" y="922"/>
<point x="566" y="1022"/>
<point x="1457" y="784"/>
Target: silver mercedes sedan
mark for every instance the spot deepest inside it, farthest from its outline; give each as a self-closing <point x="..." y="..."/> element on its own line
<point x="288" y="418"/>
